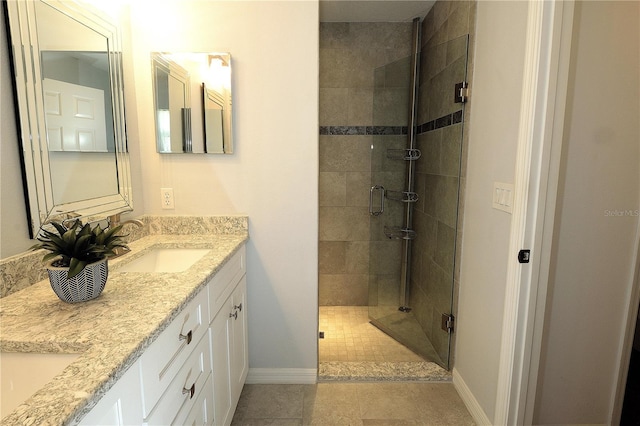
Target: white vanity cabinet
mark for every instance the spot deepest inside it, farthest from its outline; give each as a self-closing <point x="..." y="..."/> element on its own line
<point x="173" y="363"/>
<point x="170" y="382"/>
<point x="228" y="328"/>
<point x="193" y="373"/>
<point x="120" y="405"/>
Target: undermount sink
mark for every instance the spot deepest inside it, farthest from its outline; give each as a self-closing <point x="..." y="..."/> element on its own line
<point x="164" y="260"/>
<point x="22" y="374"/>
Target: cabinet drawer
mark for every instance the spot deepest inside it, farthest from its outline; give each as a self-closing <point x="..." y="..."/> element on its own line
<point x="164" y="358"/>
<point x="186" y="388"/>
<point x="201" y="411"/>
<point x="223" y="282"/>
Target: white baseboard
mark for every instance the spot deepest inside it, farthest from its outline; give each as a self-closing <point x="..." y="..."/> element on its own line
<point x="297" y="376"/>
<point x="476" y="411"/>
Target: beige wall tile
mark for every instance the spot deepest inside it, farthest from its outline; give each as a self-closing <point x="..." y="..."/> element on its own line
<point x="359" y="104"/>
<point x="331" y="257"/>
<point x="357" y="191"/>
<point x="335" y="66"/>
<point x="334" y="106"/>
<point x="345" y="153"/>
<point x="451" y="150"/>
<point x="357" y="257"/>
<point x="332" y="189"/>
<point x="344" y="224"/>
<point x="343" y="289"/>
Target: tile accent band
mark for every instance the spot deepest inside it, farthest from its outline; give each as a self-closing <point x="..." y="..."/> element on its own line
<point x="438" y="123"/>
<point x="363" y="130"/>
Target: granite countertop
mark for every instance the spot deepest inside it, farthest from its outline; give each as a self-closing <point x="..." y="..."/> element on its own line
<point x="110" y="332"/>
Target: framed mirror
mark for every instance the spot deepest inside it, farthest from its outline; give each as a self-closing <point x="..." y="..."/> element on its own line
<point x="192" y="102"/>
<point x="67" y="64"/>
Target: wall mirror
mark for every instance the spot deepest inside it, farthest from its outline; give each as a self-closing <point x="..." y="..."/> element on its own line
<point x="67" y="63"/>
<point x="192" y="102"/>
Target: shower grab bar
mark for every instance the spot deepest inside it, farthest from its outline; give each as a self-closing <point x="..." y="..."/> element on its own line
<point x="373" y="212"/>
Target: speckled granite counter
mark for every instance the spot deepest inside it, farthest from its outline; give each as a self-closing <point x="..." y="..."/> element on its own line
<point x="109" y="332"/>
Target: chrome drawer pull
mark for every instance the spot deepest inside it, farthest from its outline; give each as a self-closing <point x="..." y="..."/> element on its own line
<point x="187" y="337"/>
<point x="191" y="391"/>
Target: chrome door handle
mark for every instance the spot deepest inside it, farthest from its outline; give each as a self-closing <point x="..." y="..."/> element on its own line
<point x="186" y="337"/>
<point x="373" y="212"/>
<point x="189" y="391"/>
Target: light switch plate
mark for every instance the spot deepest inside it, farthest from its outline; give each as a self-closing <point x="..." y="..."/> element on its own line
<point x="503" y="196"/>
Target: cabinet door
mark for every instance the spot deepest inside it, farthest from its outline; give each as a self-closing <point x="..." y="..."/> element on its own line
<point x="121" y="405"/>
<point x="220" y="336"/>
<point x="239" y="340"/>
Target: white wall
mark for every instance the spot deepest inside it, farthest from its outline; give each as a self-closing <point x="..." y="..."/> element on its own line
<point x="592" y="259"/>
<point x="272" y="175"/>
<point x="495" y="109"/>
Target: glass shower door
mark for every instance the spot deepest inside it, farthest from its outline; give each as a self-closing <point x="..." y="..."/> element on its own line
<point x="411" y="310"/>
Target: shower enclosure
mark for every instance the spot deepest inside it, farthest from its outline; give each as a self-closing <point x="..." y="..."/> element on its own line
<point x="414" y="196"/>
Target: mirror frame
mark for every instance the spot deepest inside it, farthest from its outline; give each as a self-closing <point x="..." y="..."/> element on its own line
<point x="28" y="94"/>
<point x="184" y="67"/>
<point x="173" y="70"/>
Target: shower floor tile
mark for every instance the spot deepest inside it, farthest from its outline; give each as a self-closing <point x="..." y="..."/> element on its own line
<point x="349" y="337"/>
<point x="355" y="350"/>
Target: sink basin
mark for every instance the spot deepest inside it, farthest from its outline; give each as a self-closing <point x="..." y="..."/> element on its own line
<point x="22" y="374"/>
<point x="164" y="260"/>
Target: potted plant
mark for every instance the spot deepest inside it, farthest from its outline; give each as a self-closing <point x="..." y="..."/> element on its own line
<point x="77" y="262"/>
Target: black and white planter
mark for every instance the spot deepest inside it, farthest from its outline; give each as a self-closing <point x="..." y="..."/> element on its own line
<point x="87" y="285"/>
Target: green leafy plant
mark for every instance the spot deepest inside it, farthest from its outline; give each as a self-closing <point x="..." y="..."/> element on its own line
<point x="78" y="245"/>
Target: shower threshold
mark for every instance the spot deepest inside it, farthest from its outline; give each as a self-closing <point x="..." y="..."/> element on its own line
<point x="382" y="371"/>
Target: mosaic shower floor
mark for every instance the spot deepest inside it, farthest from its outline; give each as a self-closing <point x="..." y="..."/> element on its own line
<point x="354" y="350"/>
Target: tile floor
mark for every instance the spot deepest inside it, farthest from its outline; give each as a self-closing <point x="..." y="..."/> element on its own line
<point x="348" y="337"/>
<point x="353" y="404"/>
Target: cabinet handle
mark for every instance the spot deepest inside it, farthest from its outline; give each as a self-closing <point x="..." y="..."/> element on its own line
<point x="238" y="307"/>
<point x="234" y="315"/>
<point x="186" y="337"/>
<point x="191" y="391"/>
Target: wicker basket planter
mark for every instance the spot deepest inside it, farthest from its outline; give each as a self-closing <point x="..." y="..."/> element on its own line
<point x="87" y="285"/>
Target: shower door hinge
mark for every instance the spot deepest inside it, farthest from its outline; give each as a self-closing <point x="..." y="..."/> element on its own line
<point x="447" y="322"/>
<point x="461" y="94"/>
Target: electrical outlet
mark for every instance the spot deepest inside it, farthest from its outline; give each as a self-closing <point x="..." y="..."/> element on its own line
<point x="166" y="198"/>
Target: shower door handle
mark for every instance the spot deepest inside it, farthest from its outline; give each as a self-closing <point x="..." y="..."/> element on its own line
<point x="380" y="210"/>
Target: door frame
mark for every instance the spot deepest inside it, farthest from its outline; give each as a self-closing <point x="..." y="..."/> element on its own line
<point x="540" y="137"/>
<point x="545" y="82"/>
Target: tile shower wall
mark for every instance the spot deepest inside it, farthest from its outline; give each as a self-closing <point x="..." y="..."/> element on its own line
<point x="350" y="53"/>
<point x="440" y="170"/>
